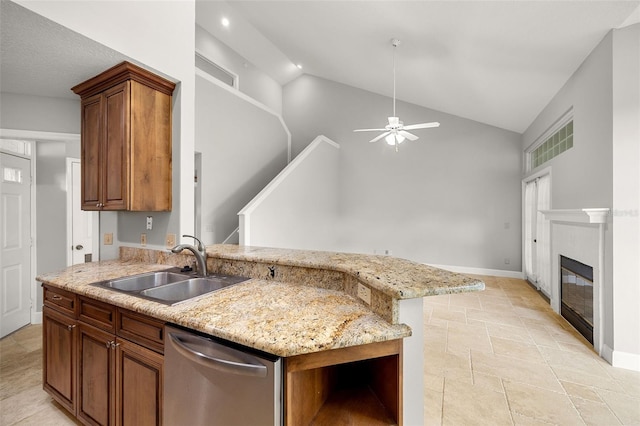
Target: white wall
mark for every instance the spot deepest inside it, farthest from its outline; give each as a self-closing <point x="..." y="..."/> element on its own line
<point x="139" y="30"/>
<point x="450" y="198"/>
<point x="601" y="170"/>
<point x="582" y="177"/>
<point x="299" y="207"/>
<point x="243" y="147"/>
<point x="252" y="81"/>
<point x="626" y="196"/>
<point x="39" y="113"/>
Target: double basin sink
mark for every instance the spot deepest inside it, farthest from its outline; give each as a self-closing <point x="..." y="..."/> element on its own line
<point x="171" y="286"/>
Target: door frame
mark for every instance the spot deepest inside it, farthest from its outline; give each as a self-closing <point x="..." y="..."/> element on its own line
<point x="95" y="225"/>
<point x="33" y="136"/>
<point x="529" y="178"/>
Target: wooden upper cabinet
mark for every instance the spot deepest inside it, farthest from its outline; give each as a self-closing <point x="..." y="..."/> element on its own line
<point x="126" y="140"/>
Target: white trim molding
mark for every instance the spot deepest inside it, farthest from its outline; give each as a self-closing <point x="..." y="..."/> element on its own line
<point x="596" y="217"/>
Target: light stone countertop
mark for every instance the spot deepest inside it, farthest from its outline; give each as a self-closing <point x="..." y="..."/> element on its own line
<point x="282" y="318"/>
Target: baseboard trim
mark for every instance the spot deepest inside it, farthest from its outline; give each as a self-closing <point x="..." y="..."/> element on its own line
<point x="620" y="359"/>
<point x="481" y="271"/>
<point x="36" y="317"/>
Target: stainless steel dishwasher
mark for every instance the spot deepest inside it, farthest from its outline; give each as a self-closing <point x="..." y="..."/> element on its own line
<point x="209" y="381"/>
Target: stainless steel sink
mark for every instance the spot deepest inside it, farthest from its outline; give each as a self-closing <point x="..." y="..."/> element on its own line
<point x="170" y="287"/>
<point x="193" y="287"/>
<point x="144" y="281"/>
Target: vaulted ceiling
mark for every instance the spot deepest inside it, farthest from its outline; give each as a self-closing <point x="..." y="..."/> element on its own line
<point x="497" y="62"/>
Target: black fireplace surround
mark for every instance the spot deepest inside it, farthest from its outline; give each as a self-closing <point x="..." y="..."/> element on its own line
<point x="576" y="295"/>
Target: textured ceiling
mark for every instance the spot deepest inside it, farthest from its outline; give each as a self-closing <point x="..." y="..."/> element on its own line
<point x="40" y="57"/>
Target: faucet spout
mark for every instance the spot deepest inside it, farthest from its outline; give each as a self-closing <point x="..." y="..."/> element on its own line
<point x="199" y="253"/>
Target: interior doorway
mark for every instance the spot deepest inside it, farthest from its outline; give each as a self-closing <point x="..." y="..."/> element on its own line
<point x="15" y="243"/>
<point x="537" y="232"/>
<point x="81" y="225"/>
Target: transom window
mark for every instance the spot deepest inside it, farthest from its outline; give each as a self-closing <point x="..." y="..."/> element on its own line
<point x="553" y="146"/>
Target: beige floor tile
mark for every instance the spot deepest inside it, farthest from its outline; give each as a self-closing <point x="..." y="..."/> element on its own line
<point x="625" y="407"/>
<point x="433" y="382"/>
<point x="463" y="337"/>
<point x="433" y="407"/>
<point x="448" y="315"/>
<point x="512" y="369"/>
<point x="577" y="361"/>
<point x="541" y="404"/>
<point x="22" y="405"/>
<point x="593" y="413"/>
<point x="581" y="391"/>
<point x="581" y="378"/>
<point x="465" y="300"/>
<point x="494" y="299"/>
<point x="473" y="405"/>
<point x="542" y="337"/>
<point x="488" y="381"/>
<point x="514" y="349"/>
<point x="494" y="317"/>
<point x="520" y="334"/>
<point x="520" y="420"/>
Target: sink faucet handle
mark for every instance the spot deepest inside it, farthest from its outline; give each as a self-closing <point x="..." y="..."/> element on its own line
<point x="200" y="246"/>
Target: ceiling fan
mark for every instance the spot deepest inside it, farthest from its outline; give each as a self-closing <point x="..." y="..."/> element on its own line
<point x="395" y="132"/>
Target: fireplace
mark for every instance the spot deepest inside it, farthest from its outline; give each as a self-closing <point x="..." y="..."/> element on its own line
<point x="576" y="295"/>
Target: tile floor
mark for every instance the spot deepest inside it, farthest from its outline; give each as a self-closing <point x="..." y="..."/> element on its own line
<point x="503" y="357"/>
<point x="497" y="357"/>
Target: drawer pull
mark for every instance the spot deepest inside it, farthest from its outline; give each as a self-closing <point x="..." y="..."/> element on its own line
<point x="56" y="297"/>
<point x="71" y="327"/>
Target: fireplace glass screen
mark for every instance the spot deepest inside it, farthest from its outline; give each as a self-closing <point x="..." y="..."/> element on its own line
<point x="577" y="295"/>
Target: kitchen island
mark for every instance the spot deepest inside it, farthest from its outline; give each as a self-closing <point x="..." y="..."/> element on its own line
<point x="296" y="303"/>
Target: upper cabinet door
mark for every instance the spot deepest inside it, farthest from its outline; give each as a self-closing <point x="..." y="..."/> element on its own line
<point x="91" y="136"/>
<point x="116" y="152"/>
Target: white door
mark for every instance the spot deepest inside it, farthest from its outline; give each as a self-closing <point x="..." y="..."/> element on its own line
<point x="537" y="244"/>
<point x="80" y="223"/>
<point x="15" y="243"/>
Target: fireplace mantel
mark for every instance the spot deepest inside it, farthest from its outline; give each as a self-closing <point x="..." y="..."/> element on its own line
<point x="595" y="215"/>
<point x="592" y="216"/>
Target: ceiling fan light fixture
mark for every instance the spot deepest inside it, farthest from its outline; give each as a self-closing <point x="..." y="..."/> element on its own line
<point x="396" y="132"/>
<point x="390" y="139"/>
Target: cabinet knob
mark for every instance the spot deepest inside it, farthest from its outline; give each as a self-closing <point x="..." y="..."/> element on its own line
<point x="110" y="345"/>
<point x="114" y="345"/>
<point x="71" y="327"/>
<point x="79" y="247"/>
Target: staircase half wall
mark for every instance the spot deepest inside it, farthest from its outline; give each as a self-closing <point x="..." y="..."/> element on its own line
<point x="298" y="208"/>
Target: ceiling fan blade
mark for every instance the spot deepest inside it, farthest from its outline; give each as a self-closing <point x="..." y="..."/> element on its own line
<point x="421" y="126"/>
<point x="377" y="138"/>
<point x="370" y="130"/>
<point x="407" y="135"/>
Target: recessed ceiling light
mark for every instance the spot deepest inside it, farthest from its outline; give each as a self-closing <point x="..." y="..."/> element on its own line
<point x="299" y="66"/>
<point x="225" y="22"/>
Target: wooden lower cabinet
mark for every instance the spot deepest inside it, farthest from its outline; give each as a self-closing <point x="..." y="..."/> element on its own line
<point x="138" y="385"/>
<point x="95" y="373"/>
<point x="96" y="376"/>
<point x="119" y="382"/>
<point x="59" y="357"/>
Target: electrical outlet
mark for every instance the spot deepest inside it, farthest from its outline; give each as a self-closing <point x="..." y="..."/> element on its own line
<point x="170" y="242"/>
<point x="108" y="239"/>
<point x="364" y="293"/>
<point x="143" y="240"/>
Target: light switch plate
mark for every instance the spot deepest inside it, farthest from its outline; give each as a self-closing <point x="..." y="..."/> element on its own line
<point x="364" y="293"/>
<point x="108" y="239"/>
<point x="170" y="242"/>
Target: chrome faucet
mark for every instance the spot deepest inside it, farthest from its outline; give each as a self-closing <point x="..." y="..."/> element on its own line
<point x="199" y="252"/>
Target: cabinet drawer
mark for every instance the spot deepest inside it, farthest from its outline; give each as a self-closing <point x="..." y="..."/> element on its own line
<point x="141" y="329"/>
<point x="96" y="313"/>
<point x="60" y="300"/>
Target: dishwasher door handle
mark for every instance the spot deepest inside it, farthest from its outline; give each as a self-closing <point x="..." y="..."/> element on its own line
<point x="227" y="366"/>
